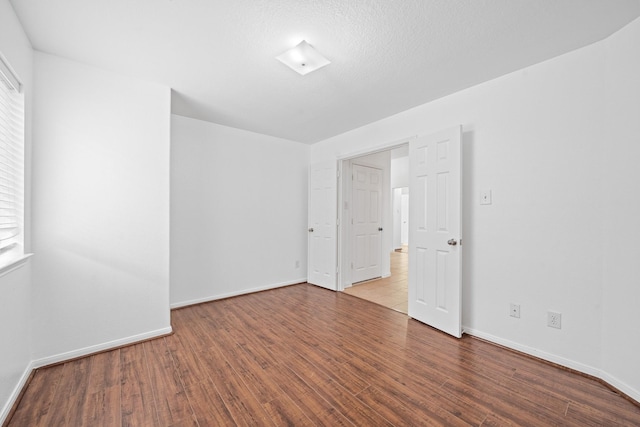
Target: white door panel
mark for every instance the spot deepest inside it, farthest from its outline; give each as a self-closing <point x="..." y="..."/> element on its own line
<point x="322" y="225"/>
<point x="435" y="230"/>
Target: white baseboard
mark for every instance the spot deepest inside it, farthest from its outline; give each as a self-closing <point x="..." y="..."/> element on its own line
<point x="622" y="386"/>
<point x="581" y="367"/>
<point x="50" y="360"/>
<point x="572" y="364"/>
<point x="45" y="361"/>
<point x="15" y="393"/>
<point x="236" y="293"/>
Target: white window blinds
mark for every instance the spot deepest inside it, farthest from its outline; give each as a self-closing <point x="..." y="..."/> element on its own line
<point x="11" y="158"/>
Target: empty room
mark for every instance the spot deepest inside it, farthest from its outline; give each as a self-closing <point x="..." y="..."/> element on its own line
<point x="323" y="212"/>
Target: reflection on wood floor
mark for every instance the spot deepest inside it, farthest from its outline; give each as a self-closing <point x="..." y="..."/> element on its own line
<point x="391" y="291"/>
<point x="305" y="356"/>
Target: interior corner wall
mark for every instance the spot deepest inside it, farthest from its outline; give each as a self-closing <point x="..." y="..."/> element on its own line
<point x="534" y="137"/>
<point x="101" y="146"/>
<point x="621" y="200"/>
<point x="238" y="211"/>
<point x="15" y="286"/>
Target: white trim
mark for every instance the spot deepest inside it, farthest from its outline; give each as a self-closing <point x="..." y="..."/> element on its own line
<point x="15" y="393"/>
<point x="572" y="364"/>
<point x="237" y="293"/>
<point x="35" y="364"/>
<point x="623" y="387"/>
<point x="343" y="269"/>
<point x="50" y="360"/>
<point x="14" y="264"/>
<point x="581" y="367"/>
<point x="376" y="149"/>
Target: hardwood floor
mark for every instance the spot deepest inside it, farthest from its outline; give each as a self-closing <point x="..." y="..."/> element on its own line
<point x="302" y="355"/>
<point x="391" y="291"/>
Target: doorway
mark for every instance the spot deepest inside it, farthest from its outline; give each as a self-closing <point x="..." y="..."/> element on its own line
<point x="366" y="223"/>
<point x="389" y="286"/>
<point x="435" y="227"/>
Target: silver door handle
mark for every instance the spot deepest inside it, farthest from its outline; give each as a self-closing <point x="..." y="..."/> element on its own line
<point x="311" y="230"/>
<point x="452" y="242"/>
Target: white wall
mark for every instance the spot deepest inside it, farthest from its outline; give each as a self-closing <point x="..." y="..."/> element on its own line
<point x="400" y="172"/>
<point x="621" y="200"/>
<point x="537" y="137"/>
<point x="101" y="146"/>
<point x="396" y="215"/>
<point x="399" y="184"/>
<point x="15" y="286"/>
<point x="238" y="211"/>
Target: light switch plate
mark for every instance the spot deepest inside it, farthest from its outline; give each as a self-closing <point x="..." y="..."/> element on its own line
<point x="485" y="197"/>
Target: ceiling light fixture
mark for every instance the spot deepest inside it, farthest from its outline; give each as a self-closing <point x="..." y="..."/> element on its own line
<point x="303" y="58"/>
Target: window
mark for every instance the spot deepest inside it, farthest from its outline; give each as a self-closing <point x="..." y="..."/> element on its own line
<point x="11" y="167"/>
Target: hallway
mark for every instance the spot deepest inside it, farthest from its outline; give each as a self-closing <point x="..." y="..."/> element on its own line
<point x="391" y="291"/>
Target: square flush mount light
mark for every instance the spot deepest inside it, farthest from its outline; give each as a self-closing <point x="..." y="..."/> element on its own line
<point x="303" y="58"/>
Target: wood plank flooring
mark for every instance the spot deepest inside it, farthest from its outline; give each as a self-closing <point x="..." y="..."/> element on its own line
<point x="392" y="291"/>
<point x="304" y="356"/>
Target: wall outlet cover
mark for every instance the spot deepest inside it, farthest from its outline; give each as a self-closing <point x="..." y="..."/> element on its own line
<point x="554" y="320"/>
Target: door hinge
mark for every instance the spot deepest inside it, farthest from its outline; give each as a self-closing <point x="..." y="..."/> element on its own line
<point x="338" y="173"/>
<point x="337" y="221"/>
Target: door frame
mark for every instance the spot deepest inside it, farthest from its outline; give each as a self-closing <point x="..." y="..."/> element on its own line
<point x="344" y="195"/>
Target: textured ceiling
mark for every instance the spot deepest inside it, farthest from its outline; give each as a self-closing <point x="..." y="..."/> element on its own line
<point x="386" y="55"/>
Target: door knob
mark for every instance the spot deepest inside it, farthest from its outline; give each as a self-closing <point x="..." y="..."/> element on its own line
<point x="311" y="230"/>
<point x="452" y="242"/>
<point x="379" y="228"/>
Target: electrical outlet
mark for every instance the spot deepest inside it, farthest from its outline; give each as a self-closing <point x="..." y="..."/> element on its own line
<point x="554" y="320"/>
<point x="297" y="264"/>
<point x="514" y="310"/>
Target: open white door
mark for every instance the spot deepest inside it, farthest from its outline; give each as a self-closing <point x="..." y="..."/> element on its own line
<point x="435" y="230"/>
<point x="322" y="225"/>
